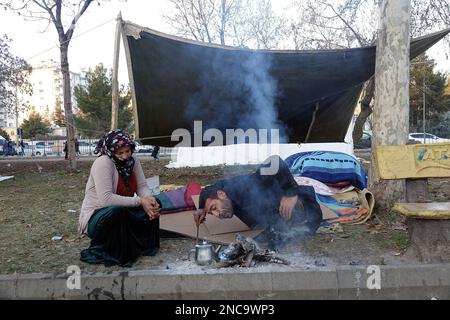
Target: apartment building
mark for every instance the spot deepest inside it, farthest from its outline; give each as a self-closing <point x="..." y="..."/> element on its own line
<point x="3" y="118"/>
<point x="47" y="83"/>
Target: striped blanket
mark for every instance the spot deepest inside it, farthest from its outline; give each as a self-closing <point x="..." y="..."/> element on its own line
<point x="328" y="167"/>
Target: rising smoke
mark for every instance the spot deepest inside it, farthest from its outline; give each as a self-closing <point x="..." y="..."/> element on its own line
<point x="236" y="90"/>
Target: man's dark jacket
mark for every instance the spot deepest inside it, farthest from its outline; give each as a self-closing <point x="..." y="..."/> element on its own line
<point x="256" y="197"/>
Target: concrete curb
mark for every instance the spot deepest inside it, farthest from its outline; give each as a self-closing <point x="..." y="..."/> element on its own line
<point x="346" y="282"/>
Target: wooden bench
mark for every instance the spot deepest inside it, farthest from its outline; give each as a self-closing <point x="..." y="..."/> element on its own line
<point x="428" y="222"/>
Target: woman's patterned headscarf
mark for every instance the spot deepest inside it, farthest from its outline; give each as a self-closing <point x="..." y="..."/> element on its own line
<point x="110" y="143"/>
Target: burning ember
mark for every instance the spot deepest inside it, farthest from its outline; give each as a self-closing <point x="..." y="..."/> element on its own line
<point x="246" y="252"/>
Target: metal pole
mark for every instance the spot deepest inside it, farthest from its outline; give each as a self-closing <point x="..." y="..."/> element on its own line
<point x="17" y="120"/>
<point x="423" y="115"/>
<point x="115" y="81"/>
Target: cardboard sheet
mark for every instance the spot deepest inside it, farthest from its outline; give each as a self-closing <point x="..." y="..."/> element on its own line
<point x="217" y="226"/>
<point x="213" y="230"/>
<point x="183" y="223"/>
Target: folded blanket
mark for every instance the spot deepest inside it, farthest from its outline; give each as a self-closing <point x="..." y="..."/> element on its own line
<point x="352" y="207"/>
<point x="328" y="167"/>
<point x="322" y="188"/>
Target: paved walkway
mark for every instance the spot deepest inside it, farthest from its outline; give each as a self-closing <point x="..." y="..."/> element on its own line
<point x="346" y="282"/>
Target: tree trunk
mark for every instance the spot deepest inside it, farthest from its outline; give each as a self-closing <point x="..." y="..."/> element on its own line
<point x="115" y="74"/>
<point x="222" y="23"/>
<point x="391" y="111"/>
<point x="366" y="111"/>
<point x="72" y="166"/>
<point x="429" y="240"/>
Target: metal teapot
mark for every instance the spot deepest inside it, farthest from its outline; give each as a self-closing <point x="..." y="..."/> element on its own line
<point x="203" y="253"/>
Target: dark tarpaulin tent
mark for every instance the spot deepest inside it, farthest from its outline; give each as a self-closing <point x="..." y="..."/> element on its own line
<point x="309" y="95"/>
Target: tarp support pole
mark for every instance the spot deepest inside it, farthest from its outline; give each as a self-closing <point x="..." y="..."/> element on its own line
<point x="115" y="71"/>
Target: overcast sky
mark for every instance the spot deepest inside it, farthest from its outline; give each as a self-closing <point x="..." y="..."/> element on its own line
<point x="93" y="39"/>
<point x="94" y="35"/>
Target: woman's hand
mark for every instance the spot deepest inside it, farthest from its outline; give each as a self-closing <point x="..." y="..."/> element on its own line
<point x="287" y="204"/>
<point x="151" y="207"/>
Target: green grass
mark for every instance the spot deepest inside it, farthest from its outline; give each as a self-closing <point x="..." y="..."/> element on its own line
<point x="402" y="241"/>
<point x="37" y="206"/>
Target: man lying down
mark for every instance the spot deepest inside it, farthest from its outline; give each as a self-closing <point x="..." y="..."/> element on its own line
<point x="270" y="198"/>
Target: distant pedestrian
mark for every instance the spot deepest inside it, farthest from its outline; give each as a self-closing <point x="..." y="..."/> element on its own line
<point x="77" y="148"/>
<point x="155" y="153"/>
<point x="22" y="146"/>
<point x="66" y="151"/>
<point x="19" y="150"/>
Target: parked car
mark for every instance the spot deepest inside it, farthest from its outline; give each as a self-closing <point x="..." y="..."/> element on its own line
<point x="429" y="138"/>
<point x="141" y="148"/>
<point x="365" y="142"/>
<point x="7" y="148"/>
<point x="45" y="150"/>
<point x="86" y="147"/>
<point x="2" y="142"/>
<point x="41" y="148"/>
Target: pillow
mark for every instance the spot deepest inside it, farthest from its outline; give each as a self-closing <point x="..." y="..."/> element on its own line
<point x="192" y="189"/>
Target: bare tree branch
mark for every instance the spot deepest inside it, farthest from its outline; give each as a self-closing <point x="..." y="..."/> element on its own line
<point x="240" y="22"/>
<point x="51" y="10"/>
<point x="14" y="72"/>
<point x="347" y="23"/>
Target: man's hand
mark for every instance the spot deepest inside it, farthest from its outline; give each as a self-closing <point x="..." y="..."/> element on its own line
<point x="151" y="207"/>
<point x="199" y="216"/>
<point x="287" y="204"/>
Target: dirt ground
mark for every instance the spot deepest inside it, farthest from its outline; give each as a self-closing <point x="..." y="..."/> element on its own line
<point x="44" y="201"/>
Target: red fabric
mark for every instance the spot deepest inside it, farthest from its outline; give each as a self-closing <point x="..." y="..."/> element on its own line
<point x="192" y="189"/>
<point x="340" y="184"/>
<point x="122" y="190"/>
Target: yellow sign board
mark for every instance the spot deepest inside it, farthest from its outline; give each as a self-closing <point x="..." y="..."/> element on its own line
<point x="413" y="161"/>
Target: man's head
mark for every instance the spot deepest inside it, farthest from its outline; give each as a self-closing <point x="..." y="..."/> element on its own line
<point x="219" y="205"/>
